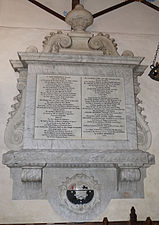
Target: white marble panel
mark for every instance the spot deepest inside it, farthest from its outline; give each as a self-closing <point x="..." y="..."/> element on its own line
<point x="81" y="69"/>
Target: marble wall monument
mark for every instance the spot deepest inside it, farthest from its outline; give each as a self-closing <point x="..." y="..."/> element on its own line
<point x="77" y="136"/>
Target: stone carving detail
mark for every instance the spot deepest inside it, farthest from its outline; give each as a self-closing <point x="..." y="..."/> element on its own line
<point x="130" y="174"/>
<point x="15" y="125"/>
<point x="128" y="53"/>
<point x="78" y="39"/>
<point x="105" y="43"/>
<point x="79" y="18"/>
<point x="143" y="131"/>
<point x="32" y="49"/>
<point x="117" y="167"/>
<point x="55" y="41"/>
<point x="31" y="175"/>
<point x="80" y="186"/>
<point x="119" y="158"/>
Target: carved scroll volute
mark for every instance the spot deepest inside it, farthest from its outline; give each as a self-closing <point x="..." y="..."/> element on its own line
<point x="143" y="131"/>
<point x="55" y="41"/>
<point x="144" y="135"/>
<point x="130" y="174"/>
<point x="104" y="43"/>
<point x="13" y="135"/>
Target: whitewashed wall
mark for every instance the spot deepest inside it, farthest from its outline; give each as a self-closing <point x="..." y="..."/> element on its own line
<point x="134" y="27"/>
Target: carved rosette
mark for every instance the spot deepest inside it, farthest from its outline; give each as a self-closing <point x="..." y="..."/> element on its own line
<point x="55" y="41"/>
<point x="84" y="191"/>
<point x="13" y="135"/>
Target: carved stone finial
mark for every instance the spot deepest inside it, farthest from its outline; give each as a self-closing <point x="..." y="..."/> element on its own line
<point x="79" y="18"/>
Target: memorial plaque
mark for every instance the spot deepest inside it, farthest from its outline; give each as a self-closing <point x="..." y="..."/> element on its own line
<point x="76" y="134"/>
<point x="73" y="107"/>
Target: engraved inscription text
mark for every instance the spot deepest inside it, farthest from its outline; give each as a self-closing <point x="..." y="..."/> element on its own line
<point x="86" y="107"/>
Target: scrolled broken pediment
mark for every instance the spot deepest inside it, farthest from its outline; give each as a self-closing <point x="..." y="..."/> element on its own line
<point x="55" y="41"/>
<point x="105" y="43"/>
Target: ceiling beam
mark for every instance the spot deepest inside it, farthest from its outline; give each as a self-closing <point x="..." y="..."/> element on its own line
<point x="112" y="8"/>
<point x="100" y="13"/>
<point x="74" y="3"/>
<point x="52" y="12"/>
<point x="150" y="5"/>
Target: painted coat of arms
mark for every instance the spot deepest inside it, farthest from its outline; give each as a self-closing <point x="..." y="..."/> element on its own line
<point x="79" y="193"/>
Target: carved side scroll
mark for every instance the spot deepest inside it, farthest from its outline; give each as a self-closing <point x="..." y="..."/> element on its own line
<point x="54" y="41"/>
<point x="130" y="174"/>
<point x="143" y="131"/>
<point x="103" y="42"/>
<point x="15" y="126"/>
<point x="31" y="175"/>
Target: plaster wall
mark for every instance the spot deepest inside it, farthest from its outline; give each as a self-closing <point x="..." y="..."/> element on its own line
<point x="134" y="27"/>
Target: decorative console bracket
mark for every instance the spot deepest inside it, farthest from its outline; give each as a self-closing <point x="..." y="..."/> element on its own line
<point x="76" y="133"/>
